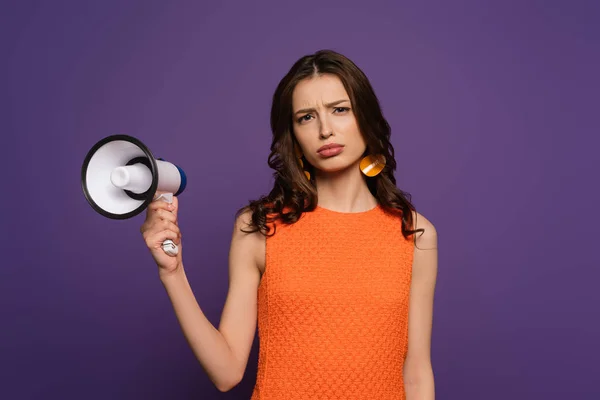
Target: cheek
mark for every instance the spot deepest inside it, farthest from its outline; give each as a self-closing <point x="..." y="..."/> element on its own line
<point x="346" y="123"/>
<point x="303" y="137"/>
<point x="349" y="130"/>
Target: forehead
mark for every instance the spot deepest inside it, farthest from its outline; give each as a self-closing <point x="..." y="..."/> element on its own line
<point x="317" y="90"/>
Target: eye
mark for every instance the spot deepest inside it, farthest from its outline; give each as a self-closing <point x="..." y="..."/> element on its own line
<point x="303" y="118"/>
<point x="342" y="109"/>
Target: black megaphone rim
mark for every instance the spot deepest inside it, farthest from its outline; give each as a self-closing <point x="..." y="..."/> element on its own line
<point x="149" y="194"/>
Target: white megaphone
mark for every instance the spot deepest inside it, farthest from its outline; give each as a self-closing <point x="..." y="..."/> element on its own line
<point x="120" y="178"/>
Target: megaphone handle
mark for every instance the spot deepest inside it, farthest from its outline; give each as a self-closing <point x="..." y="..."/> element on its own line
<point x="168" y="246"/>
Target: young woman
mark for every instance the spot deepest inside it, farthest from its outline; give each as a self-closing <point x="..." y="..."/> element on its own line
<point x="334" y="265"/>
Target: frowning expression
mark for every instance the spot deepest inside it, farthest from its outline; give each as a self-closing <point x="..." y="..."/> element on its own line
<point x="325" y="125"/>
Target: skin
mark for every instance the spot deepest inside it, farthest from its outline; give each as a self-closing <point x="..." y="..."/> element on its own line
<point x="340" y="185"/>
<point x="223" y="352"/>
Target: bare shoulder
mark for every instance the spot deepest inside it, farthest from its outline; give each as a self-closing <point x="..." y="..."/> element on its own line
<point x="242" y="222"/>
<point x="244" y="241"/>
<point x="426" y="238"/>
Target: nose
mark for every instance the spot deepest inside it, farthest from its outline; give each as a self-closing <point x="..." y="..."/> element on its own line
<point x="325" y="130"/>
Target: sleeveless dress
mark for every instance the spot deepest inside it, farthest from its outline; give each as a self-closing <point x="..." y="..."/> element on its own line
<point x="333" y="308"/>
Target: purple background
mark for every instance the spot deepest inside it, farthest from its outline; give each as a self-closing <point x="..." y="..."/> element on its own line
<point x="491" y="105"/>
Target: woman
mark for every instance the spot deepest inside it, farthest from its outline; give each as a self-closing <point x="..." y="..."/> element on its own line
<point x="335" y="265"/>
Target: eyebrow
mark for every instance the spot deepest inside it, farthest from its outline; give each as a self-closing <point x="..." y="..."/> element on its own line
<point x="334" y="103"/>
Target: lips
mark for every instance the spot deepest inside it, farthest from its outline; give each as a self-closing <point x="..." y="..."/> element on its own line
<point x="329" y="146"/>
<point x="330" y="150"/>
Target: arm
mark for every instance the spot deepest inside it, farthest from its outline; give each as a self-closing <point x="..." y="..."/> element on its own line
<point x="223" y="352"/>
<point x="418" y="371"/>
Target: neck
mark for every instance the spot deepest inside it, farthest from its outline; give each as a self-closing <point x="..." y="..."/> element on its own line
<point x="344" y="191"/>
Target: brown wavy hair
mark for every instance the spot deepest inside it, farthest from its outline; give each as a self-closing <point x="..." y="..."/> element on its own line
<point x="292" y="192"/>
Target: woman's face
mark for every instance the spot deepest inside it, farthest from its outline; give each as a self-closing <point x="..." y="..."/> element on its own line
<point x="323" y="115"/>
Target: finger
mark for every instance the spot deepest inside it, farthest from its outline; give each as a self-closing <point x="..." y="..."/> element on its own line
<point x="156" y="205"/>
<point x="153" y="213"/>
<point x="175" y="205"/>
<point x="157" y="239"/>
<point x="166" y="215"/>
<point x="171" y="226"/>
<point x="146" y="230"/>
<point x="153" y="209"/>
<point x="157" y="224"/>
<point x="161" y="225"/>
<point x="173" y="235"/>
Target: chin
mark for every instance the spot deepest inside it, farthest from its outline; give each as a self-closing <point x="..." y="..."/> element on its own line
<point x="333" y="165"/>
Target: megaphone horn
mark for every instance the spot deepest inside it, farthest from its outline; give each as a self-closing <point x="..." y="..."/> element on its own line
<point x="120" y="178"/>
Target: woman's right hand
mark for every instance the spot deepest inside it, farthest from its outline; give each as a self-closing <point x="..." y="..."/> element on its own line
<point x="160" y="225"/>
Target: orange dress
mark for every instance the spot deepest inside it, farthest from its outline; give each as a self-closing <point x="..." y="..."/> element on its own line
<point x="333" y="308"/>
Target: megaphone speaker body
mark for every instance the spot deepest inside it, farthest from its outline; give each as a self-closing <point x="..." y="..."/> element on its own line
<point x="120" y="177"/>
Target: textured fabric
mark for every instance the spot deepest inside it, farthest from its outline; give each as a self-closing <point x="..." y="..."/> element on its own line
<point x="333" y="308"/>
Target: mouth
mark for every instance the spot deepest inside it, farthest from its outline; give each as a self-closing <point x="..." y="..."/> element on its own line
<point x="330" y="150"/>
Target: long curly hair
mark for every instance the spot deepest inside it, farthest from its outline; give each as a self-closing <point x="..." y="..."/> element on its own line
<point x="292" y="193"/>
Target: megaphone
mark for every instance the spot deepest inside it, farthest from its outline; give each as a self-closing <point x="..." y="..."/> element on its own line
<point x="120" y="178"/>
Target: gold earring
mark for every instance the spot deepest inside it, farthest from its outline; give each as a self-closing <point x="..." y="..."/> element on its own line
<point x="372" y="165"/>
<point x="299" y="155"/>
